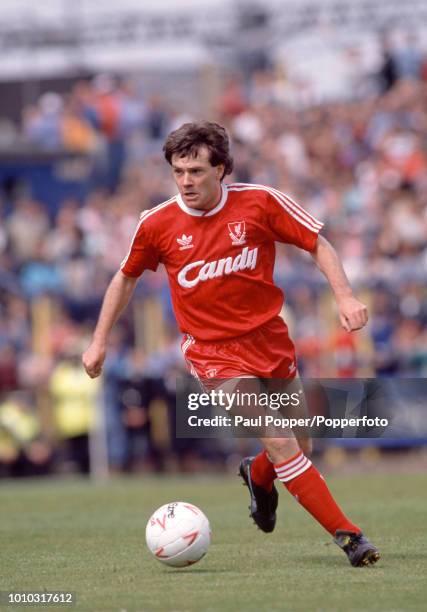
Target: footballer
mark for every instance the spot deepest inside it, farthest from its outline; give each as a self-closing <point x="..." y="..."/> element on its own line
<point x="217" y="243"/>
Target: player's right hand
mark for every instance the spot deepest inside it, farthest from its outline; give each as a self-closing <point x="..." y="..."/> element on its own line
<point x="93" y="359"/>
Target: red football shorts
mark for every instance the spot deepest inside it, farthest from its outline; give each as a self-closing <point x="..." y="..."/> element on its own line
<point x="266" y="352"/>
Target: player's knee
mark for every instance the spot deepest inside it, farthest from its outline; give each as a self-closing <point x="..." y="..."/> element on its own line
<point x="280" y="449"/>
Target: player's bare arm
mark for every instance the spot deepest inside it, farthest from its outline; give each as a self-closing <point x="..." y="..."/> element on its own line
<point x="353" y="314"/>
<point x="189" y="231"/>
<point x="116" y="299"/>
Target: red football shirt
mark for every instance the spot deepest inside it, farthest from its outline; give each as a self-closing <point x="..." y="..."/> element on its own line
<point x="220" y="262"/>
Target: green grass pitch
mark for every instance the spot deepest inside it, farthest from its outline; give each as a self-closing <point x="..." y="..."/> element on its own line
<point x="88" y="538"/>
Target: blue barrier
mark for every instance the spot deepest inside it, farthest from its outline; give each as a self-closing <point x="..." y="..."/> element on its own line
<point x="49" y="178"/>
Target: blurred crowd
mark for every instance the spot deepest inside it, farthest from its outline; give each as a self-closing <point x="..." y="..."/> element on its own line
<point x="359" y="165"/>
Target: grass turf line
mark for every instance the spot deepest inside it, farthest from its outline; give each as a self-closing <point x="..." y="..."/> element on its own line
<point x="86" y="538"/>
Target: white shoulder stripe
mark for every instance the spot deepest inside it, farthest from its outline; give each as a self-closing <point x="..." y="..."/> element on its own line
<point x="158" y="207"/>
<point x="298" y="208"/>
<point x="288" y="199"/>
<point x="295" y="211"/>
<point x="144" y="216"/>
<point x="152" y="211"/>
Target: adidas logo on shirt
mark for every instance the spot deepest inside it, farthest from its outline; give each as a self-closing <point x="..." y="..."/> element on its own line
<point x="185" y="242"/>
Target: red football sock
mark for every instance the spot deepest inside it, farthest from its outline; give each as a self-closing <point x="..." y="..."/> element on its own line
<point x="308" y="487"/>
<point x="262" y="471"/>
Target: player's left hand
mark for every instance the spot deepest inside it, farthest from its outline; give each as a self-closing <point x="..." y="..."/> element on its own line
<point x="353" y="313"/>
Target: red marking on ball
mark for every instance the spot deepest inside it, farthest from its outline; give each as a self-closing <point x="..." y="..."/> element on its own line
<point x="191" y="536"/>
<point x="162" y="522"/>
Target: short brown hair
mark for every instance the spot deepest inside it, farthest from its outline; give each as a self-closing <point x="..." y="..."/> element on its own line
<point x="188" y="138"/>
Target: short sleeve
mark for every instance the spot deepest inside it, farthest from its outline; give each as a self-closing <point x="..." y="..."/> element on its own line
<point x="290" y="223"/>
<point x="142" y="255"/>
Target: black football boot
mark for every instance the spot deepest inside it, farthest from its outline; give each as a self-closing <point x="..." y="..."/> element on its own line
<point x="359" y="550"/>
<point x="263" y="504"/>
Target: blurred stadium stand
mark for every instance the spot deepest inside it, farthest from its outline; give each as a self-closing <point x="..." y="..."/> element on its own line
<point x="325" y="100"/>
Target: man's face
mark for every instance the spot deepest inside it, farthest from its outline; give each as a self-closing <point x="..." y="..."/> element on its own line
<point x="198" y="182"/>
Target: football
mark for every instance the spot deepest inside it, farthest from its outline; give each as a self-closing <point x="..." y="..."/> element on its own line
<point x="178" y="534"/>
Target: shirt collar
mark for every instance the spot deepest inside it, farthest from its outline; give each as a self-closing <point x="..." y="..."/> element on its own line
<point x="203" y="213"/>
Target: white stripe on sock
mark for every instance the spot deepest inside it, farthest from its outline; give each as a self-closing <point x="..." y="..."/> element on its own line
<point x="299" y="465"/>
<point x="287" y="465"/>
<point x="293" y="469"/>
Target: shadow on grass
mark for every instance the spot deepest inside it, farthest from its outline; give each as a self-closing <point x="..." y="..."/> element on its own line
<point x="386" y="559"/>
<point x="409" y="556"/>
<point x="195" y="570"/>
<point x="319" y="560"/>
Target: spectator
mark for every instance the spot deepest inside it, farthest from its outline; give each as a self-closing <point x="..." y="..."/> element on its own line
<point x="359" y="166"/>
<point x="74" y="399"/>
